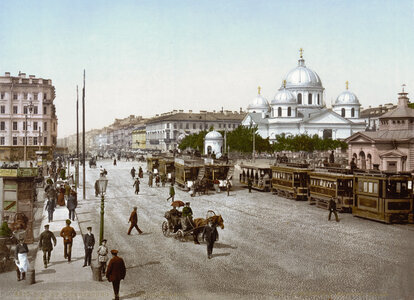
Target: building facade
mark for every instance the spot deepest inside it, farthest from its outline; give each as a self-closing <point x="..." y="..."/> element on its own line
<point x="27" y="116"/>
<point x="138" y="136"/>
<point x="391" y="147"/>
<point x="299" y="107"/>
<point x="371" y="115"/>
<point x="164" y="132"/>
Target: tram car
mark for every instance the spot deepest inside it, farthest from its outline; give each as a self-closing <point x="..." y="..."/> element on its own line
<point x="259" y="174"/>
<point x="290" y="180"/>
<point x="166" y="167"/>
<point x="384" y="197"/>
<point x="187" y="170"/>
<point x="219" y="172"/>
<point x="153" y="163"/>
<point x="336" y="183"/>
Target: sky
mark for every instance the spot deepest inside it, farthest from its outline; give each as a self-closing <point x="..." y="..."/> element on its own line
<point x="150" y="57"/>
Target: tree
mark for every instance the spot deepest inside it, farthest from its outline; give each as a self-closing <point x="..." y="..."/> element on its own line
<point x="194" y="141"/>
<point x="304" y="142"/>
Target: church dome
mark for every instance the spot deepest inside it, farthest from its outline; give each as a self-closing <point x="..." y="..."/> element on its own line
<point x="213" y="135"/>
<point x="301" y="76"/>
<point x="259" y="103"/>
<point x="347" y="97"/>
<point x="283" y="96"/>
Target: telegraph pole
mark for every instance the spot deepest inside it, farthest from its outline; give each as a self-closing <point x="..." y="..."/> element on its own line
<point x="77" y="139"/>
<point x="83" y="136"/>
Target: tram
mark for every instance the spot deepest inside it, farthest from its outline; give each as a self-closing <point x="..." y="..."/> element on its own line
<point x="187" y="170"/>
<point x="384" y="197"/>
<point x="167" y="167"/>
<point x="290" y="180"/>
<point x="153" y="163"/>
<point x="259" y="174"/>
<point x="327" y="183"/>
<point x="218" y="172"/>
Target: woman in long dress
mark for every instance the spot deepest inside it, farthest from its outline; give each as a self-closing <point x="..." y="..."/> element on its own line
<point x="61" y="196"/>
<point x="21" y="260"/>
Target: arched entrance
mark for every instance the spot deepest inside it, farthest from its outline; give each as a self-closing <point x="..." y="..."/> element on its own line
<point x="362" y="160"/>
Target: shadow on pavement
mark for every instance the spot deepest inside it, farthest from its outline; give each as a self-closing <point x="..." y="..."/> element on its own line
<point x="146" y="264"/>
<point x="133" y="295"/>
<point x="221" y="254"/>
<point x="46" y="271"/>
<point x="224" y="246"/>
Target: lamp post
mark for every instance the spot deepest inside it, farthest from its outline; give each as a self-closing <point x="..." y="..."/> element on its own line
<point x="30" y="109"/>
<point x="102" y="184"/>
<point x="254" y="138"/>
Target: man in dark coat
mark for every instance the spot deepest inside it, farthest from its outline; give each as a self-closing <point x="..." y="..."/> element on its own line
<point x="50" y="207"/>
<point x="172" y="193"/>
<point x="332" y="157"/>
<point x="134" y="221"/>
<point x="332" y="209"/>
<point x="72" y="204"/>
<point x="45" y="243"/>
<point x="116" y="272"/>
<point x="133" y="172"/>
<point x="140" y="173"/>
<point x="89" y="242"/>
<point x="136" y="184"/>
<point x="210" y="235"/>
<point x="67" y="233"/>
<point x="249" y="184"/>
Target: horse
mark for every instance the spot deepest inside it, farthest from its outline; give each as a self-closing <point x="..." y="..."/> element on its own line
<point x="199" y="224"/>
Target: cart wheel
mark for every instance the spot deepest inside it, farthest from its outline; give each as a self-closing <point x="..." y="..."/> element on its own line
<point x="180" y="235"/>
<point x="165" y="228"/>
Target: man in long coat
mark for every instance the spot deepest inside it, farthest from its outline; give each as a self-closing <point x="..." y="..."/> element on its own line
<point x="136" y="184"/>
<point x="45" y="243"/>
<point x="133" y="172"/>
<point x="210" y="235"/>
<point x="89" y="243"/>
<point x="332" y="209"/>
<point x="134" y="221"/>
<point x="116" y="272"/>
<point x="50" y="207"/>
<point x="72" y="204"/>
<point x="67" y="233"/>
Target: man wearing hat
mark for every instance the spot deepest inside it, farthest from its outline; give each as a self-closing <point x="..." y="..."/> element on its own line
<point x="187" y="216"/>
<point x="103" y="256"/>
<point x="68" y="233"/>
<point x="134" y="221"/>
<point x="116" y="272"/>
<point x="72" y="204"/>
<point x="45" y="243"/>
<point x="89" y="242"/>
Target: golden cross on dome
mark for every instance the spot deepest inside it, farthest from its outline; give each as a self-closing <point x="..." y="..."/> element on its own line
<point x="403" y="85"/>
<point x="346" y="83"/>
<point x="259" y="89"/>
<point x="284" y="83"/>
<point x="301" y="52"/>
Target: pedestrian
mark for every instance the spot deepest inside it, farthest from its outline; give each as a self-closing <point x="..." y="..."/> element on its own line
<point x="249" y="184"/>
<point x="72" y="204"/>
<point x="150" y="177"/>
<point x="114" y="161"/>
<point x="133" y="172"/>
<point x="67" y="190"/>
<point x="332" y="209"/>
<point x="228" y="186"/>
<point x="163" y="180"/>
<point x="96" y="188"/>
<point x="116" y="272"/>
<point x="102" y="256"/>
<point x="136" y="185"/>
<point x="353" y="164"/>
<point x="45" y="243"/>
<point x="134" y="221"/>
<point x="210" y="235"/>
<point x="67" y="233"/>
<point x="140" y="173"/>
<point x="332" y="157"/>
<point x="187" y="216"/>
<point x="157" y="180"/>
<point x="101" y="171"/>
<point x="21" y="260"/>
<point x="61" y="196"/>
<point x="50" y="207"/>
<point x="172" y="193"/>
<point x="89" y="243"/>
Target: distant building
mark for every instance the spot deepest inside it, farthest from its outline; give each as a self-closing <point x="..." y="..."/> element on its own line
<point x="27" y="116"/>
<point x="371" y="115"/>
<point x="391" y="147"/>
<point x="165" y="131"/>
<point x="139" y="137"/>
<point x="213" y="143"/>
<point x="298" y="107"/>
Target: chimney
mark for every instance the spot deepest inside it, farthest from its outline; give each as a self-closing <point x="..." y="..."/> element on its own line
<point x="22" y="75"/>
<point x="241" y="110"/>
<point x="32" y="76"/>
<point x="7" y="74"/>
<point x="181" y="110"/>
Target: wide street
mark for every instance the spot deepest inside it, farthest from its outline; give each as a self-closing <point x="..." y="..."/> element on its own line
<point x="270" y="247"/>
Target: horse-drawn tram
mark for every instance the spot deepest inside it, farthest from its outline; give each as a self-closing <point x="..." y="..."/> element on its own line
<point x="328" y="183"/>
<point x="290" y="180"/>
<point x="218" y="172"/>
<point x="259" y="174"/>
<point x="166" y="167"/>
<point x="384" y="197"/>
<point x="153" y="163"/>
<point x="187" y="170"/>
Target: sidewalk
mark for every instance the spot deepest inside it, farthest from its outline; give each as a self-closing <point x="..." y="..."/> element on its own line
<point x="61" y="280"/>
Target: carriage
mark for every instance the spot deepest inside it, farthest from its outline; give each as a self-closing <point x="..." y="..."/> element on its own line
<point x="290" y="180"/>
<point x="384" y="197"/>
<point x="259" y="174"/>
<point x="173" y="227"/>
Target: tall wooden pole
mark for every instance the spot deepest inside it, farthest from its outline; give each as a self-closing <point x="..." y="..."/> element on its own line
<point x="83" y="136"/>
<point x="77" y="139"/>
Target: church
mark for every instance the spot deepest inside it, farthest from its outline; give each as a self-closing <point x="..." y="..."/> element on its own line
<point x="299" y="108"/>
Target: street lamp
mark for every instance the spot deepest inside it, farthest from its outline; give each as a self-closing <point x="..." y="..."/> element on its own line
<point x="30" y="109"/>
<point x="254" y="138"/>
<point x="102" y="184"/>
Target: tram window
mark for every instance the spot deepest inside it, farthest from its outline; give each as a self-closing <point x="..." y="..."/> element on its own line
<point x="410" y="185"/>
<point x="370" y="187"/>
<point x="365" y="186"/>
<point x="375" y="188"/>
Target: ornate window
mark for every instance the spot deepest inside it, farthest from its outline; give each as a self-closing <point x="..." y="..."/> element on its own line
<point x="299" y="98"/>
<point x="310" y="98"/>
<point x="319" y="99"/>
<point x="289" y="111"/>
<point x="352" y="112"/>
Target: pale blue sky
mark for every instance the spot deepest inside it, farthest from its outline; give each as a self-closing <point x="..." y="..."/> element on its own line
<point x="148" y="57"/>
